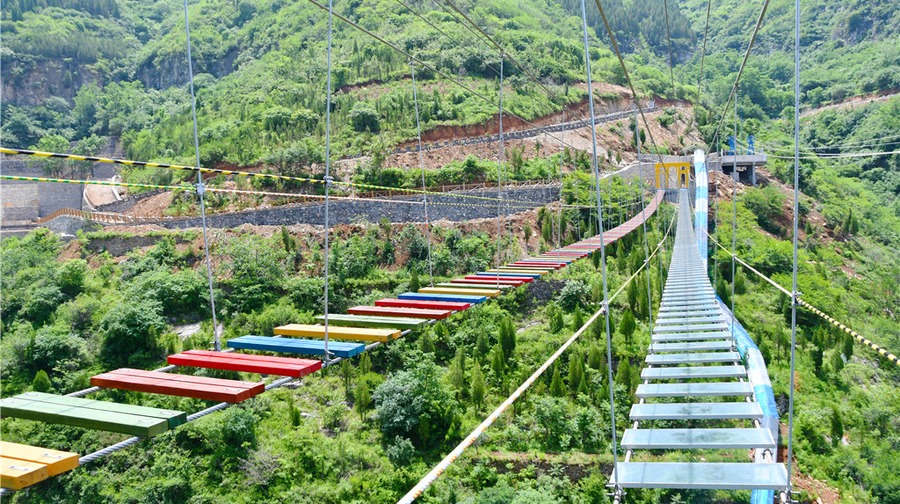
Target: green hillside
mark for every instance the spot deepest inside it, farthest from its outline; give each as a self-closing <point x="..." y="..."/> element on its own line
<point x="366" y="431"/>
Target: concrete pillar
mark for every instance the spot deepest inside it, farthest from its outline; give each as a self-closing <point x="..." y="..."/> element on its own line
<point x="753" y="174"/>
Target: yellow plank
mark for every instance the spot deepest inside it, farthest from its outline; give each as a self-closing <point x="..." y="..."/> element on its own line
<point x="527" y="272"/>
<point x="336" y="332"/>
<point x="465" y="292"/>
<point x="17" y="474"/>
<point x="57" y="462"/>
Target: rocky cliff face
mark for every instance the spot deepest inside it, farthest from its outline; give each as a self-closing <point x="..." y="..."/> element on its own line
<point x="28" y="81"/>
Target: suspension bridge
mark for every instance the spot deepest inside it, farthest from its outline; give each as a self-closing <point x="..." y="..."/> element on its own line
<point x="705" y="388"/>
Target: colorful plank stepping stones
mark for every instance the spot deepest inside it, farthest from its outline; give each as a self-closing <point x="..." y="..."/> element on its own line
<point x="529" y="271"/>
<point x="458" y="290"/>
<point x="198" y="387"/>
<point x="423" y="304"/>
<point x="390" y="311"/>
<point x="24" y="465"/>
<point x="372" y="321"/>
<point x="508" y="279"/>
<point x="537" y="264"/>
<point x="455" y="298"/>
<point x="296" y="346"/>
<point x="485" y="282"/>
<point x="337" y="332"/>
<point x="460" y="285"/>
<point x="232" y="361"/>
<point x="91" y="414"/>
<point x="509" y="276"/>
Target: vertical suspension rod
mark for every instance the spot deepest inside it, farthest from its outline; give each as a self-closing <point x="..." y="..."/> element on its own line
<point x="200" y="187"/>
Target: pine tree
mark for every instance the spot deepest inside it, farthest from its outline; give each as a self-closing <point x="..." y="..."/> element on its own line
<point x="577" y="319"/>
<point x="413" y="280"/>
<point x="740" y="286"/>
<point x="848" y="346"/>
<point x="837" y="363"/>
<point x="817" y="360"/>
<point x="643" y="300"/>
<point x="363" y="398"/>
<point x="837" y="427"/>
<point x="477" y="386"/>
<point x="481" y="346"/>
<point x="627" y="326"/>
<point x="426" y="343"/>
<point x="595" y="357"/>
<point x="632" y="294"/>
<point x="556" y="386"/>
<point x="507" y="337"/>
<point x="595" y="260"/>
<point x="346" y="375"/>
<point x="623" y="374"/>
<point x="576" y="374"/>
<point x="365" y="364"/>
<point x="41" y="382"/>
<point x="498" y="366"/>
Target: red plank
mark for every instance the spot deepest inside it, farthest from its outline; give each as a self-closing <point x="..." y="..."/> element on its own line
<point x="232" y="361"/>
<point x="198" y="387"/>
<point x="502" y="279"/>
<point x="489" y="281"/>
<point x="395" y="311"/>
<point x="428" y="305"/>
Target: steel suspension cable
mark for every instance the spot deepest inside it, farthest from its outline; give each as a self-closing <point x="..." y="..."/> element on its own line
<point x="612" y="400"/>
<point x="612" y="39"/>
<point x="734" y="177"/>
<point x="200" y="187"/>
<point x="272" y="176"/>
<point x="794" y="292"/>
<point x="737" y="80"/>
<point x="442" y="32"/>
<point x="325" y="355"/>
<point x="412" y="68"/>
<point x="703" y="54"/>
<point x="669" y="39"/>
<point x="499" y="172"/>
<point x="424" y="64"/>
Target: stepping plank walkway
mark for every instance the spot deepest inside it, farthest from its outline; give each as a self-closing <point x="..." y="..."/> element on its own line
<point x="296" y="346"/>
<point x="694" y="330"/>
<point x="454" y="298"/>
<point x="23" y="465"/>
<point x="336" y="332"/>
<point x="480" y="291"/>
<point x="423" y="304"/>
<point x="461" y="285"/>
<point x="477" y="280"/>
<point x="198" y="387"/>
<point x="503" y="276"/>
<point x="387" y="311"/>
<point x="91" y="414"/>
<point x="402" y="323"/>
<point x="232" y="361"/>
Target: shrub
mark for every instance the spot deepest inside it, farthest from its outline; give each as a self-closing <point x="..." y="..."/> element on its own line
<point x="400" y="451"/>
<point x="130" y="332"/>
<point x="41" y="382"/>
<point x="573" y="295"/>
<point x="414" y="404"/>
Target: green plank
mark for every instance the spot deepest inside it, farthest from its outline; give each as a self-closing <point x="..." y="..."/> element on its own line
<point x="173" y="417"/>
<point x="82" y="417"/>
<point x="372" y="321"/>
<point x="473" y="286"/>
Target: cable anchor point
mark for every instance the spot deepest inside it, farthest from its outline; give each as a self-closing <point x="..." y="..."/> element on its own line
<point x="329" y="181"/>
<point x="200" y="188"/>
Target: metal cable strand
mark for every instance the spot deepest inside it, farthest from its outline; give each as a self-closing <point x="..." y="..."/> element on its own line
<point x="412" y="68"/>
<point x="634" y="94"/>
<point x="734" y="177"/>
<point x="200" y="188"/>
<point x="26" y="152"/>
<point x="612" y="401"/>
<point x="703" y="54"/>
<point x="499" y="171"/>
<point x="325" y="355"/>
<point x="425" y="64"/>
<point x="442" y="32"/>
<point x="737" y="80"/>
<point x="796" y="205"/>
<point x="669" y="39"/>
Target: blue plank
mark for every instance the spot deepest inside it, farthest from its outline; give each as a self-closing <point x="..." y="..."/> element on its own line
<point x="297" y="346"/>
<point x="458" y="298"/>
<point x="484" y="273"/>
